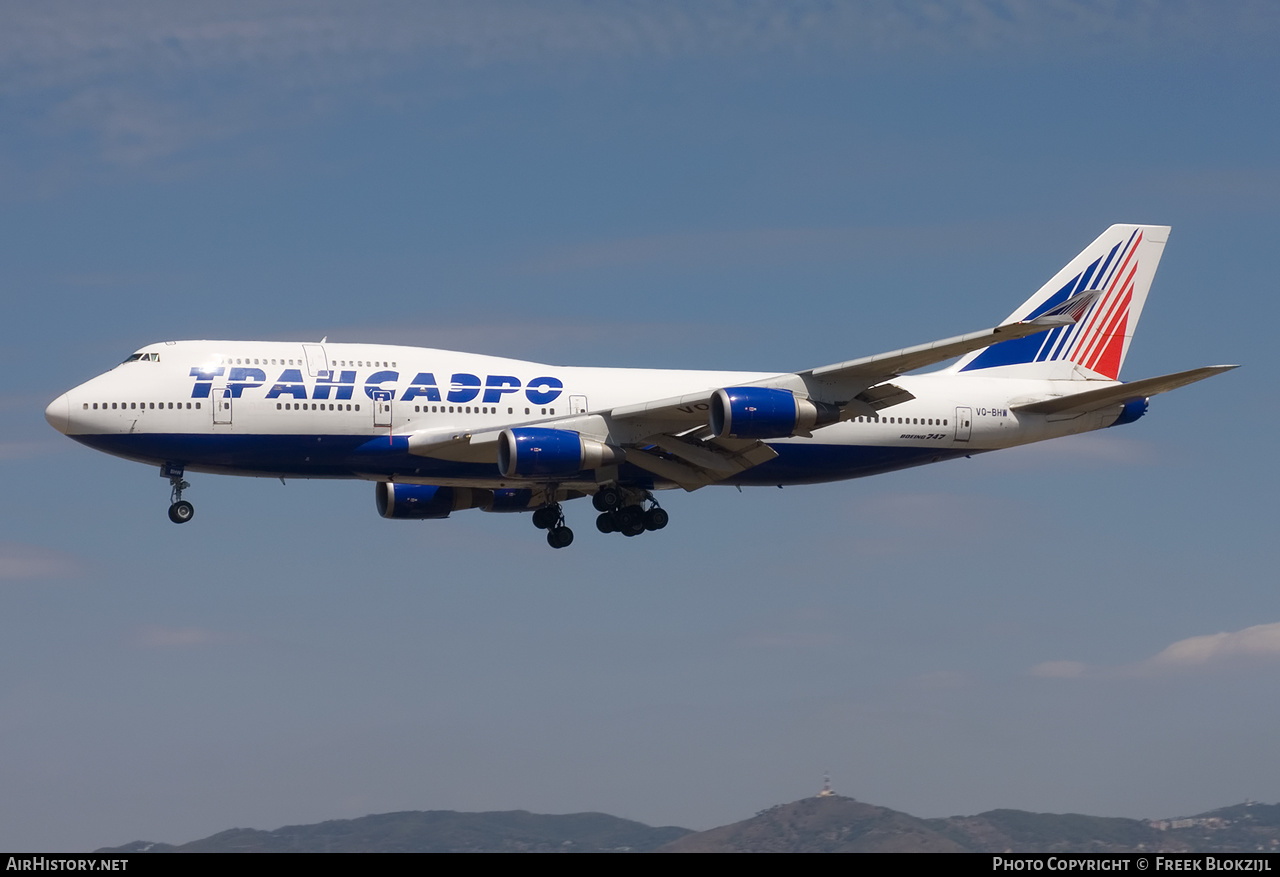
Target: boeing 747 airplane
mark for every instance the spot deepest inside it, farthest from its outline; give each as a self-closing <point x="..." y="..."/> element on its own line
<point x="438" y="431"/>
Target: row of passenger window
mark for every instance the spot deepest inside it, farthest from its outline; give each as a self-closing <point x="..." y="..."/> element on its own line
<point x="262" y="360"/>
<point x="136" y="405"/>
<point x="449" y="409"/>
<point x="255" y="360"/>
<point x="468" y="409"/>
<point x="919" y="421"/>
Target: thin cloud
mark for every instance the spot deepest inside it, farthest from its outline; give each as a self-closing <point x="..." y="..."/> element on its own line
<point x="18" y="561"/>
<point x="802" y="629"/>
<point x="1260" y="642"/>
<point x="896" y="525"/>
<point x="1209" y="652"/>
<point x="65" y="41"/>
<point x="149" y="79"/>
<point x="1059" y="670"/>
<point x="1091" y="449"/>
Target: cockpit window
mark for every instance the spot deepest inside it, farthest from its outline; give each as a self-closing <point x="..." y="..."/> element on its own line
<point x="143" y="357"/>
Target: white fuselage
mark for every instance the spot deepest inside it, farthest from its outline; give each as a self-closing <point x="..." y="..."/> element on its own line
<point x="335" y="410"/>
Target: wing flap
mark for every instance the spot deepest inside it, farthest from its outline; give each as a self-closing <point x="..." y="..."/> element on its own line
<point x="688" y="477"/>
<point x="874" y="399"/>
<point x="719" y="460"/>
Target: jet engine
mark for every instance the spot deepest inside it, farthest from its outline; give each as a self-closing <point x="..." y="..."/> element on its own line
<point x="509" y="499"/>
<point x="763" y="412"/>
<point x="1133" y="409"/>
<point x="537" y="452"/>
<point x="426" y="501"/>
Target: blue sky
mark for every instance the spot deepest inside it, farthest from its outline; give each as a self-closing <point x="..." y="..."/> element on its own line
<point x="1088" y="625"/>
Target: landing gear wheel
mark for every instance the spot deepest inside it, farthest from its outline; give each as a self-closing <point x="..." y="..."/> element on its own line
<point x="181" y="511"/>
<point x="607" y="499"/>
<point x="629" y="515"/>
<point x="631" y="520"/>
<point x="655" y="519"/>
<point x="560" y="537"/>
<point x="546" y="517"/>
<point x="605" y="523"/>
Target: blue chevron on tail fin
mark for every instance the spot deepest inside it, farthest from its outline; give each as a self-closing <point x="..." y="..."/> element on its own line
<point x="1103" y="289"/>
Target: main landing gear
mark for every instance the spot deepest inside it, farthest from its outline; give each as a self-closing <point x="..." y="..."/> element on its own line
<point x="625" y="514"/>
<point x="622" y="510"/>
<point x="180" y="511"/>
<point x="551" y="518"/>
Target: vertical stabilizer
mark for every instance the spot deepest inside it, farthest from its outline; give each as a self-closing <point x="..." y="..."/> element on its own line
<point x="1118" y="266"/>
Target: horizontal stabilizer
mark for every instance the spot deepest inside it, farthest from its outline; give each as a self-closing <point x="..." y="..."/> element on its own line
<point x="1118" y="394"/>
<point x="889" y="365"/>
<point x="1074" y="308"/>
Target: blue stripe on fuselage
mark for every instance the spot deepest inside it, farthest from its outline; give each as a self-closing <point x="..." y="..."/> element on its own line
<point x="342" y="456"/>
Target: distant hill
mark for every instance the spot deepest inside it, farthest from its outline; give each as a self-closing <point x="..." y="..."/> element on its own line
<point x="812" y="825"/>
<point x="836" y="825"/>
<point x="821" y="825"/>
<point x="435" y="831"/>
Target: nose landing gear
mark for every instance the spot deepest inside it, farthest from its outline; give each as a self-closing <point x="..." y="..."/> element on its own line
<point x="180" y="511"/>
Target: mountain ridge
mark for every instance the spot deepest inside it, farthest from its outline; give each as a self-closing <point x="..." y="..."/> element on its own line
<point x="825" y="823"/>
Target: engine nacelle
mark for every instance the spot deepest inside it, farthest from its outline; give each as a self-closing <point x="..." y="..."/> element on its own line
<point x="538" y="452"/>
<point x="763" y="412"/>
<point x="510" y="499"/>
<point x="1132" y="410"/>
<point x="425" y="501"/>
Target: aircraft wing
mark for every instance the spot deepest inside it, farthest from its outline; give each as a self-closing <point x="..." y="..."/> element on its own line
<point x="853" y="384"/>
<point x="1118" y="394"/>
<point x="672" y="437"/>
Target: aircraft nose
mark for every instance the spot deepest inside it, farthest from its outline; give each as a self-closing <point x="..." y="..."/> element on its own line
<point x="59" y="413"/>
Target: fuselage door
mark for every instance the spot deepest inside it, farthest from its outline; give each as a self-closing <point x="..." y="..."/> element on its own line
<point x="577" y="404"/>
<point x="381" y="407"/>
<point x="220" y="397"/>
<point x="964" y="424"/>
<point x="317" y="361"/>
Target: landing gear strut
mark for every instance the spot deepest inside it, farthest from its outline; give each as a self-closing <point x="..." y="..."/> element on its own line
<point x="551" y="518"/>
<point x="623" y="512"/>
<point x="180" y="511"/>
